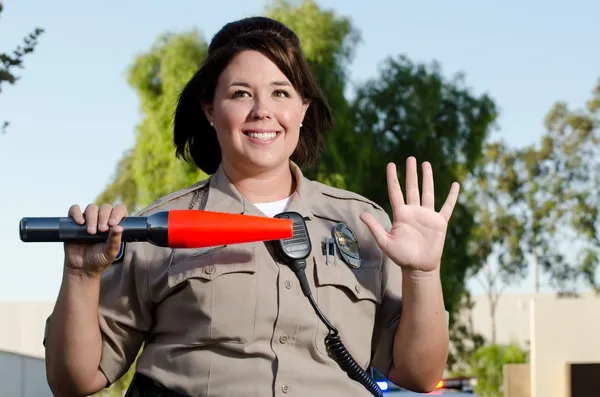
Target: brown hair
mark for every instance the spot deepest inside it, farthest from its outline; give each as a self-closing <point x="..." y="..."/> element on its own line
<point x="194" y="137"/>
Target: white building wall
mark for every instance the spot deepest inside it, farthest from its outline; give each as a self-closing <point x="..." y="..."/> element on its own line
<point x="564" y="331"/>
<point x="22" y="327"/>
<point x="22" y="366"/>
<point x="513" y="315"/>
<point x="512" y="318"/>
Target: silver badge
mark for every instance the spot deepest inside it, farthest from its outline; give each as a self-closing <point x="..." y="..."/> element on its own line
<point x="347" y="244"/>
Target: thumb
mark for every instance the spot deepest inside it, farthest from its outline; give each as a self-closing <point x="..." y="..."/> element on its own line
<point x="378" y="232"/>
<point x="113" y="243"/>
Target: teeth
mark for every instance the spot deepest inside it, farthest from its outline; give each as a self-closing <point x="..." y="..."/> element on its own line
<point x="265" y="136"/>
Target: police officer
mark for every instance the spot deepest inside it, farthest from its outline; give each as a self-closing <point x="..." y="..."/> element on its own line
<point x="232" y="320"/>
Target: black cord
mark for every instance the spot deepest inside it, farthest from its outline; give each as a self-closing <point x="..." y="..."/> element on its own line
<point x="333" y="342"/>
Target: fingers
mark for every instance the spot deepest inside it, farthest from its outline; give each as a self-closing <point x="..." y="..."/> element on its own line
<point x="91" y="218"/>
<point x="118" y="213"/>
<point x="428" y="196"/>
<point x="97" y="257"/>
<point x="412" y="184"/>
<point x="98" y="219"/>
<point x="379" y="233"/>
<point x="110" y="216"/>
<point x="448" y="207"/>
<point x="394" y="190"/>
<point x="103" y="215"/>
<point x="76" y="214"/>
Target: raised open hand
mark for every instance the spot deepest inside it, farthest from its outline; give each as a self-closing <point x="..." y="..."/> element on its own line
<point x="416" y="239"/>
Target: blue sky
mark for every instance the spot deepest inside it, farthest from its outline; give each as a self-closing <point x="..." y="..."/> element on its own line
<point x="72" y="113"/>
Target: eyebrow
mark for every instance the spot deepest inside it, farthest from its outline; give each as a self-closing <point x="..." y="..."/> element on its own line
<point x="276" y="83"/>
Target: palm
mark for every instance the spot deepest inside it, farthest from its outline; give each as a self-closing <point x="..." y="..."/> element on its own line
<point x="416" y="238"/>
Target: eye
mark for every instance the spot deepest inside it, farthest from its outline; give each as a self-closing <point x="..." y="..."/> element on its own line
<point x="281" y="94"/>
<point x="240" y="94"/>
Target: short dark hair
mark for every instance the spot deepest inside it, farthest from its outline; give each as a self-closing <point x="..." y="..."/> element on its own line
<point x="193" y="136"/>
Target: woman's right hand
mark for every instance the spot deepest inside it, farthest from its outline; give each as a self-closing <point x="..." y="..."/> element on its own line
<point x="93" y="259"/>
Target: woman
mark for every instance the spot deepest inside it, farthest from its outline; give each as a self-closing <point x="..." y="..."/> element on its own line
<point x="231" y="320"/>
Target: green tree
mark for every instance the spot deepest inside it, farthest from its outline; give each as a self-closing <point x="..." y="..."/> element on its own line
<point x="487" y="366"/>
<point x="329" y="43"/>
<point x="496" y="237"/>
<point x="561" y="193"/>
<point x="574" y="136"/>
<point x="411" y="109"/>
<point x="8" y="62"/>
<point x="150" y="169"/>
<point x="464" y="340"/>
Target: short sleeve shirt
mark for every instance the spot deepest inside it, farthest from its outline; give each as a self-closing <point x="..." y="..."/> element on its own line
<point x="231" y="320"/>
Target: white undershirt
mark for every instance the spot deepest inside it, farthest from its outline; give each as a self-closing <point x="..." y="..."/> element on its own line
<point x="274" y="207"/>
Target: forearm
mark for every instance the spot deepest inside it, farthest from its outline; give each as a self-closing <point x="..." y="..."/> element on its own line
<point x="421" y="341"/>
<point x="74" y="342"/>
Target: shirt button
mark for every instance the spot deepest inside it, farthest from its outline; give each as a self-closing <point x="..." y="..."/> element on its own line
<point x="209" y="270"/>
<point x="283" y="338"/>
<point x="357" y="288"/>
<point x="285" y="389"/>
<point x="288" y="284"/>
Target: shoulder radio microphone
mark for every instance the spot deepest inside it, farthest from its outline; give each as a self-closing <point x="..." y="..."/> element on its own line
<point x="294" y="251"/>
<point x="174" y="229"/>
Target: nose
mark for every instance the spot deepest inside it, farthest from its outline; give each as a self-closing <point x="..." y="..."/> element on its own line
<point x="261" y="109"/>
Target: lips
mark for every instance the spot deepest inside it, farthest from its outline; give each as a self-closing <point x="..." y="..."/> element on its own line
<point x="263" y="135"/>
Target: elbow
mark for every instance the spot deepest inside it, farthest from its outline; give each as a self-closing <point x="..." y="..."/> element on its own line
<point x="422" y="386"/>
<point x="61" y="385"/>
<point x="61" y="388"/>
<point x="425" y="387"/>
<point x="64" y="388"/>
<point x="417" y="382"/>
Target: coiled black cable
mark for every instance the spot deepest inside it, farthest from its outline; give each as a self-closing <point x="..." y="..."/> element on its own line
<point x="341" y="355"/>
<point x="333" y="342"/>
<point x="293" y="252"/>
<point x="349" y="365"/>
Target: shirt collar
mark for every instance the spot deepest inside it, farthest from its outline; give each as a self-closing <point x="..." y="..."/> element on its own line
<point x="223" y="196"/>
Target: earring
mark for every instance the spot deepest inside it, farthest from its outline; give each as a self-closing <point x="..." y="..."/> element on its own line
<point x="212" y="124"/>
<point x="300" y="124"/>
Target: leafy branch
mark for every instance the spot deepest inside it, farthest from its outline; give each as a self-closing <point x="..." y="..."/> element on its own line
<point x="10" y="61"/>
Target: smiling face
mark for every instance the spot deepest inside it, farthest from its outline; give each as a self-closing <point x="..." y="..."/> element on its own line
<point x="256" y="113"/>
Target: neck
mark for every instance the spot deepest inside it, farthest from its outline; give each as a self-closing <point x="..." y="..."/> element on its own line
<point x="261" y="186"/>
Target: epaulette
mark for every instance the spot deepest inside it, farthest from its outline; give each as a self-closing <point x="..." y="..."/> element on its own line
<point x="173" y="196"/>
<point x="342" y="194"/>
<point x="160" y="202"/>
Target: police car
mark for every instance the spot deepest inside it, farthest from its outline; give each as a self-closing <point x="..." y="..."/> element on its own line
<point x="449" y="387"/>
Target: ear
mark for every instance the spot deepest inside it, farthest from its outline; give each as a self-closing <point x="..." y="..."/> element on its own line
<point x="208" y="111"/>
<point x="305" y="106"/>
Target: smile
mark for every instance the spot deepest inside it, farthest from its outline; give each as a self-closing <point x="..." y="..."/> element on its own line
<point x="263" y="136"/>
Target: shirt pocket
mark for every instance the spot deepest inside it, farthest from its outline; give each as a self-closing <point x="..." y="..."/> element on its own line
<point x="349" y="299"/>
<point x="214" y="295"/>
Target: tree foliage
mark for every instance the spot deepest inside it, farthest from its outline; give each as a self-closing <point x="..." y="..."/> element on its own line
<point x="411" y="109"/>
<point x="561" y="194"/>
<point x="150" y="169"/>
<point x="487" y="366"/>
<point x="329" y="43"/>
<point x="464" y="339"/>
<point x="9" y="62"/>
<point x="497" y="234"/>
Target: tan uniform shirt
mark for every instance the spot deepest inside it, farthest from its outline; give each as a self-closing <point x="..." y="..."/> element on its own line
<point x="232" y="321"/>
